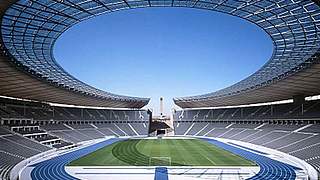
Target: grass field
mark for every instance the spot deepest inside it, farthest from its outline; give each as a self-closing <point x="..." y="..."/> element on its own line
<point x="153" y="152"/>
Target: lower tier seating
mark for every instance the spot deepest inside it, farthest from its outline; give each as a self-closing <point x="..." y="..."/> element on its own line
<point x="15" y="148"/>
<point x="300" y="140"/>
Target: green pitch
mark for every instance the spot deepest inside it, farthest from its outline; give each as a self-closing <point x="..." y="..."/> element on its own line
<point x="169" y="152"/>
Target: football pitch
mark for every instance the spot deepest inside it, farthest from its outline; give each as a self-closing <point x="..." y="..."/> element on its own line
<point x="161" y="152"/>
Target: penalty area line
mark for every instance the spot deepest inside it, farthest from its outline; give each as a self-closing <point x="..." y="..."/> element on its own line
<point x="212" y="162"/>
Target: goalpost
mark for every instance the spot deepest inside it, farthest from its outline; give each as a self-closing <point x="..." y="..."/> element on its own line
<point x="160" y="161"/>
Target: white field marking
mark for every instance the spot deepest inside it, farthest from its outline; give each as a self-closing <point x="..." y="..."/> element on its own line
<point x="189" y="129"/>
<point x="174" y="173"/>
<point x="160" y="157"/>
<point x="202" y="129"/>
<point x="167" y="137"/>
<point x="212" y="162"/>
<point x="133" y="129"/>
<point x="307" y="169"/>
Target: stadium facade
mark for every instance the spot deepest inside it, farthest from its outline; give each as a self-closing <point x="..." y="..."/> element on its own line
<point x="32" y="79"/>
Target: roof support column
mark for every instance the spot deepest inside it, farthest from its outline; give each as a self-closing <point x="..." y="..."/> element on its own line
<point x="299" y="100"/>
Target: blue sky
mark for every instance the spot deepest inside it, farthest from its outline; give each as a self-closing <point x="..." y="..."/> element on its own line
<point x="168" y="52"/>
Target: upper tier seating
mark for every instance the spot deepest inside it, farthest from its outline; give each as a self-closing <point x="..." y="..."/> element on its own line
<point x="309" y="110"/>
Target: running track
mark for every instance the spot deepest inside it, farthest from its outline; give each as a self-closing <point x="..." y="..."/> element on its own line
<point x="270" y="169"/>
<point x="53" y="169"/>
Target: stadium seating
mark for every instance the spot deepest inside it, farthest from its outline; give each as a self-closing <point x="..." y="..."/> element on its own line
<point x="140" y="128"/>
<point x="7" y="162"/>
<point x="4" y="131"/>
<point x="289" y="128"/>
<point x="41" y="130"/>
<point x="29" y="128"/>
<point x="15" y="148"/>
<point x="303" y="144"/>
<point x="309" y="110"/>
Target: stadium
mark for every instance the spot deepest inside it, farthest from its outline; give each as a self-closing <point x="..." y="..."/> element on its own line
<point x="54" y="126"/>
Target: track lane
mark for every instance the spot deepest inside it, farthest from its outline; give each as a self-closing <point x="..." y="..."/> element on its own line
<point x="54" y="169"/>
<point x="270" y="169"/>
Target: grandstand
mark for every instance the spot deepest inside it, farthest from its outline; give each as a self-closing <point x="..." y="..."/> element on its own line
<point x="49" y="119"/>
<point x="29" y="128"/>
<point x="285" y="127"/>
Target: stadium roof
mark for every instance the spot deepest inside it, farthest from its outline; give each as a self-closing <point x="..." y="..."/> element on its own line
<point x="30" y="28"/>
<point x="293" y="69"/>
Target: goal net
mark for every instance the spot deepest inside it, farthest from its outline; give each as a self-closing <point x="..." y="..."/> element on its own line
<point x="160" y="161"/>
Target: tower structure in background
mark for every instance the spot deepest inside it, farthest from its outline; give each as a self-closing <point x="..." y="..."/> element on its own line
<point x="161" y="107"/>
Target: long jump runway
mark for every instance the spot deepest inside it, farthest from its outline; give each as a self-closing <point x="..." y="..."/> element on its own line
<point x="270" y="169"/>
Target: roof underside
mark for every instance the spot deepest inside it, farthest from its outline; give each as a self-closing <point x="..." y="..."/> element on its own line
<point x="27" y="67"/>
<point x="30" y="29"/>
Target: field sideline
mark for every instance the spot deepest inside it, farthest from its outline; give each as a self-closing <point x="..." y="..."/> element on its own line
<point x="173" y="152"/>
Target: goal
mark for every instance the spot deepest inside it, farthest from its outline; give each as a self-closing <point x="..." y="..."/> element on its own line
<point x="160" y="161"/>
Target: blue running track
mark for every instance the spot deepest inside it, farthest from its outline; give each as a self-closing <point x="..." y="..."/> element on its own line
<point x="269" y="169"/>
<point x="54" y="169"/>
